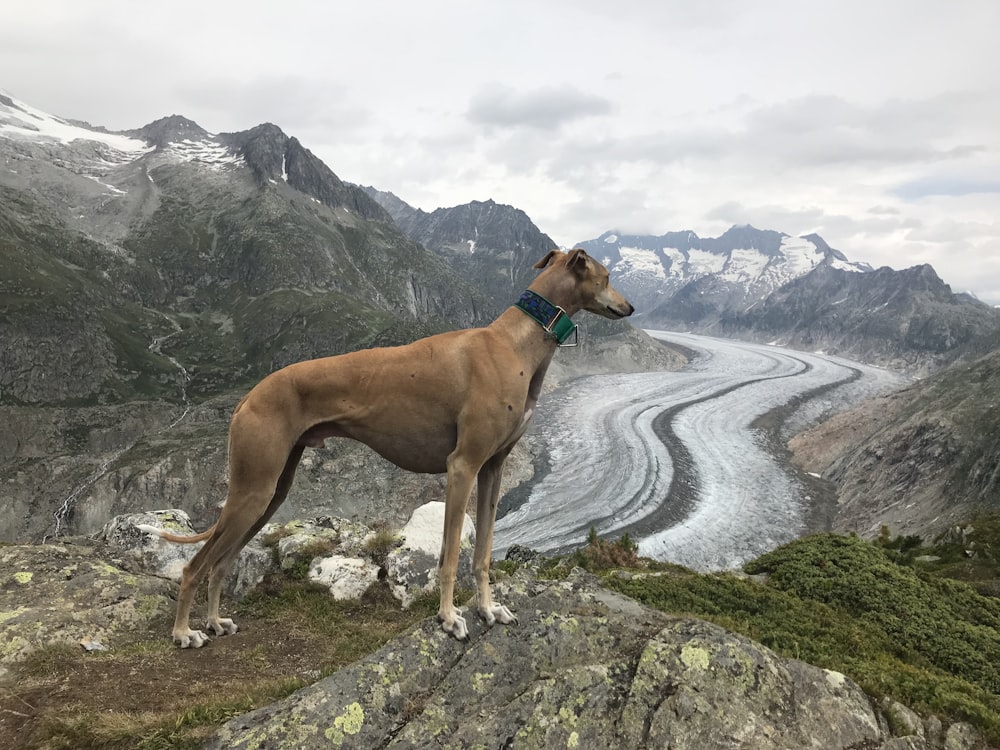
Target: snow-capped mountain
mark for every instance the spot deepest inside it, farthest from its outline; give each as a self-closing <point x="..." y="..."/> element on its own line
<point x="160" y="228"/>
<point x="735" y="270"/>
<point x="768" y="286"/>
<point x="149" y="277"/>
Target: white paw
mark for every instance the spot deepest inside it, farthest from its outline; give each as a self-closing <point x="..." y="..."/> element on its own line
<point x="454" y="623"/>
<point x="223" y="626"/>
<point x="497" y="613"/>
<point x="191" y="639"/>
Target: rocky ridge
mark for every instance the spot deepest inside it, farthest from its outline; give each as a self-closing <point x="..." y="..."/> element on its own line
<point x="766" y="286"/>
<point x="681" y="276"/>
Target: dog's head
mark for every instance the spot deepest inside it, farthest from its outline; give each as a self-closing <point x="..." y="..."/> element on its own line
<point x="592" y="283"/>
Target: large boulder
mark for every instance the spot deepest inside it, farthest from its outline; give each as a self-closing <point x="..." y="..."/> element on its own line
<point x="412" y="566"/>
<point x="143" y="552"/>
<point x="583" y="668"/>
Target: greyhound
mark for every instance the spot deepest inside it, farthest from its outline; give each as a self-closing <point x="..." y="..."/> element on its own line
<point x="455" y="402"/>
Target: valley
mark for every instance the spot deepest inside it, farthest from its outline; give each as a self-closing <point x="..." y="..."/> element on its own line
<point x="677" y="459"/>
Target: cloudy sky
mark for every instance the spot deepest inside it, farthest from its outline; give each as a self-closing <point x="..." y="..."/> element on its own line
<point x="874" y="123"/>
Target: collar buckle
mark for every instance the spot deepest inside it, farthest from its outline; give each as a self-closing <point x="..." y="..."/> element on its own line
<point x="561" y="327"/>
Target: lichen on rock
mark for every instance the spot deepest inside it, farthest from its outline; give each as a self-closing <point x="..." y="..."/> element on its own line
<point x="579" y="670"/>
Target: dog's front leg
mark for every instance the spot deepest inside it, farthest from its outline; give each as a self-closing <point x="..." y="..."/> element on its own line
<point x="460" y="477"/>
<point x="486" y="512"/>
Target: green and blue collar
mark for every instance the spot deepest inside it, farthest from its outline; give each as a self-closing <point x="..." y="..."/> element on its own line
<point x="552" y="318"/>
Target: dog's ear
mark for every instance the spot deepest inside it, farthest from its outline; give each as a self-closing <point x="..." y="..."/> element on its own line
<point x="578" y="260"/>
<point x="545" y="261"/>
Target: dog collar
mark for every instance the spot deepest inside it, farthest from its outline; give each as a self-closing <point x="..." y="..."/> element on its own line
<point x="552" y="318"/>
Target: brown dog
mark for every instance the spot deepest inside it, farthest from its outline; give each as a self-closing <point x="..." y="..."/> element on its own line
<point x="455" y="402"/>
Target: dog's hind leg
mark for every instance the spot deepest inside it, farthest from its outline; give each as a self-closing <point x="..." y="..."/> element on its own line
<point x="256" y="466"/>
<point x="194" y="571"/>
<point x="224" y="544"/>
<point x="488" y="496"/>
<point x="217" y="576"/>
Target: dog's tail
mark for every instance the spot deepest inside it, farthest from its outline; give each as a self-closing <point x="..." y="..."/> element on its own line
<point x="166" y="535"/>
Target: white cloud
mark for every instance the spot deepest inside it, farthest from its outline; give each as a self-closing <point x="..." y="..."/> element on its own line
<point x="545" y="108"/>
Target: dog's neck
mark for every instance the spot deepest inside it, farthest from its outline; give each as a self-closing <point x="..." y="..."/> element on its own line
<point x="527" y="333"/>
<point x="552" y="318"/>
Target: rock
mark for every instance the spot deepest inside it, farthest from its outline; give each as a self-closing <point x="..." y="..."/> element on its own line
<point x="524" y="556"/>
<point x="298" y="541"/>
<point x="961" y="736"/>
<point x="934" y="731"/>
<point x="584" y="668"/>
<point x="412" y="567"/>
<point x="345" y="577"/>
<point x="66" y="593"/>
<point x="902" y="721"/>
<point x="904" y="743"/>
<point x="142" y="552"/>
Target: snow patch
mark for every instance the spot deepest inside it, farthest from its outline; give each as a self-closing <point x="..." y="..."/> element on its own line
<point x="801" y="255"/>
<point x="744" y="266"/>
<point x="702" y="262"/>
<point x="845" y="266"/>
<point x="210" y="153"/>
<point x="639" y="261"/>
<point x="611" y="238"/>
<point x="25" y="123"/>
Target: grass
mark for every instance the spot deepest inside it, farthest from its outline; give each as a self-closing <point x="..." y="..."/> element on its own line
<point x="149" y="694"/>
<point x="381" y="543"/>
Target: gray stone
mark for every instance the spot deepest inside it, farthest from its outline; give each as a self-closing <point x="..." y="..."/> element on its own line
<point x="961" y="736"/>
<point x="902" y="721"/>
<point x="69" y="593"/>
<point x="343" y="577"/>
<point x="577" y="671"/>
<point x="412" y="567"/>
<point x="141" y="552"/>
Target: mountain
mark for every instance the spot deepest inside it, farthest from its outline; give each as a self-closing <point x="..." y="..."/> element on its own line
<point x="151" y="276"/>
<point x="766" y="286"/>
<point x="493" y="244"/>
<point x="242" y="250"/>
<point x="908" y="320"/>
<point x="918" y="461"/>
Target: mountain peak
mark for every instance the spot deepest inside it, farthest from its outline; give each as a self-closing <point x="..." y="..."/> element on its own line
<point x="170" y="129"/>
<point x="747" y="237"/>
<point x="263" y="149"/>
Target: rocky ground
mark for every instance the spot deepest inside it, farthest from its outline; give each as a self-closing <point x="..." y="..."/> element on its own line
<point x="88" y="662"/>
